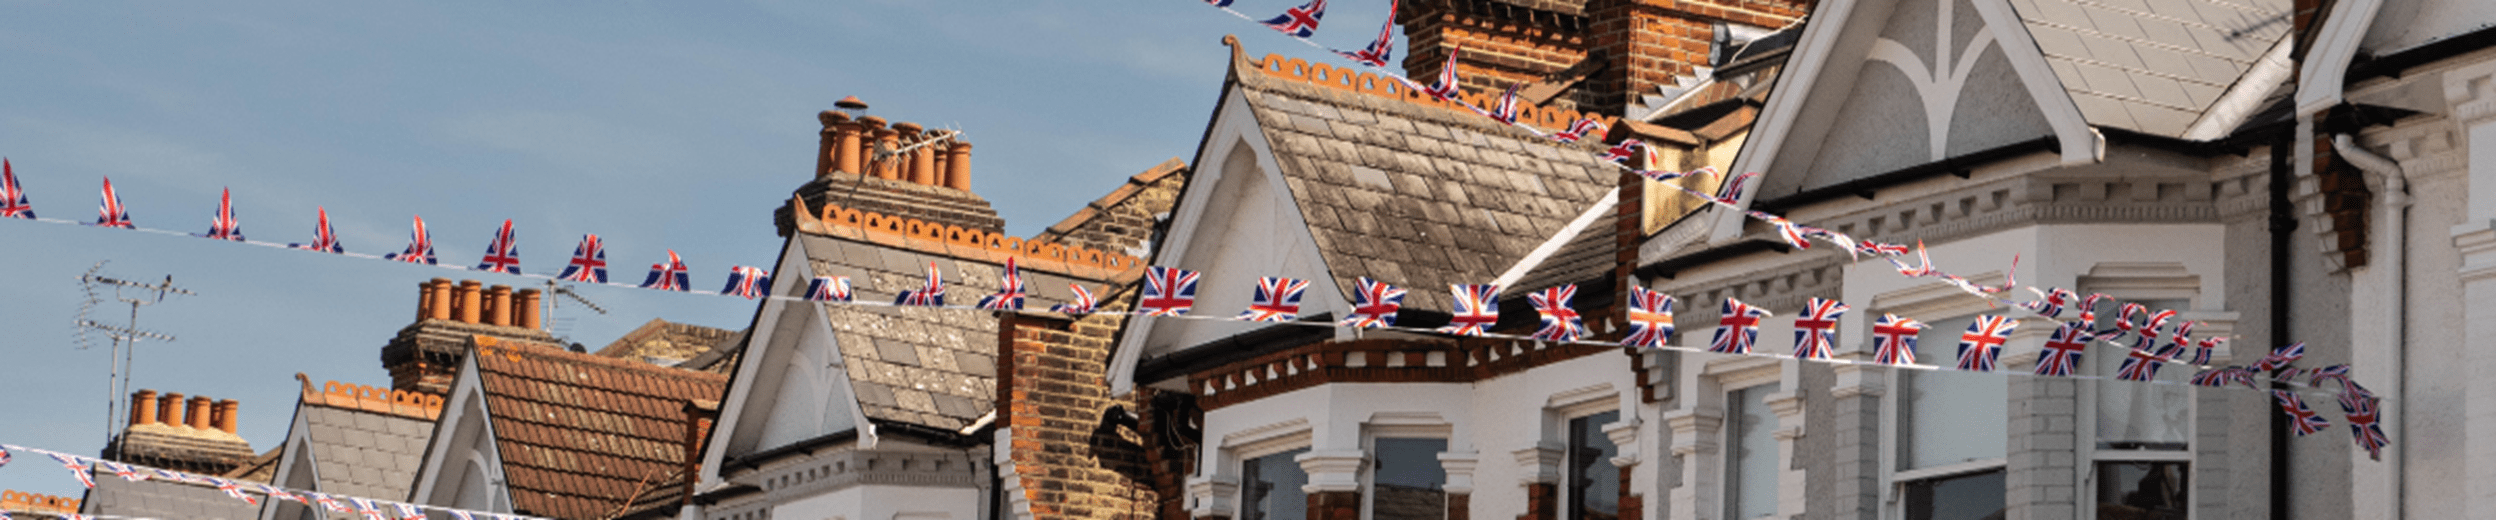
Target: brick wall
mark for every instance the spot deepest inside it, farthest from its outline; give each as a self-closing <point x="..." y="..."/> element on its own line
<point x="1643" y="43"/>
<point x="1125" y="219"/>
<point x="1075" y="456"/>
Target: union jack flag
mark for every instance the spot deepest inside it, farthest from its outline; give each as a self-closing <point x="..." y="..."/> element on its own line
<point x="122" y="470"/>
<point x="2303" y="419"/>
<point x="1374" y="305"/>
<point x="1476" y="309"/>
<point x="1009" y="296"/>
<point x="1380" y="50"/>
<point x="1623" y="151"/>
<point x="2206" y="349"/>
<point x="929" y="294"/>
<point x="2141" y="364"/>
<point x="2279" y="358"/>
<point x="322" y="238"/>
<point x="1446" y="88"/>
<point x="1791" y="233"/>
<point x="232" y="489"/>
<point x="1560" y="323"/>
<point x="2062" y="351"/>
<point x="2126" y="319"/>
<point x="329" y="502"/>
<point x="2338" y="373"/>
<point x="2050" y="303"/>
<point x="1506" y="110"/>
<point x="462" y="514"/>
<point x="1663" y="175"/>
<point x="366" y="507"/>
<point x="419" y="246"/>
<point x="1983" y="342"/>
<point x="670" y="276"/>
<point x="1578" y="130"/>
<point x="1922" y="269"/>
<point x="12" y="198"/>
<point x="176" y="476"/>
<point x="747" y="281"/>
<point x="1277" y="299"/>
<point x="278" y="493"/>
<point x="408" y="511"/>
<point x="1893" y="340"/>
<point x="2364" y="422"/>
<point x="503" y="254"/>
<point x="1219" y="3"/>
<point x="1083" y="304"/>
<point x="2215" y="377"/>
<point x="2088" y="307"/>
<point x="2157" y="322"/>
<point x="4" y="454"/>
<point x="589" y="261"/>
<point x="1732" y="188"/>
<point x="1168" y="291"/>
<point x="1815" y="330"/>
<point x="2287" y="374"/>
<point x="223" y="226"/>
<point x="828" y="289"/>
<point x="1738" y="328"/>
<point x="1880" y="249"/>
<point x="1650" y="318"/>
<point x="1299" y="22"/>
<point x="76" y="467"/>
<point x="110" y="213"/>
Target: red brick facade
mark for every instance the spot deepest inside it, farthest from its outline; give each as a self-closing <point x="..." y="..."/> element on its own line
<point x="1641" y="43"/>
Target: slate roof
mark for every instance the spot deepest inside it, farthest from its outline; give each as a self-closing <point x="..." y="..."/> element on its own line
<point x="2152" y="67"/>
<point x="155" y="498"/>
<point x="920" y="366"/>
<point x="1417" y="195"/>
<point x="363" y="453"/>
<point x="580" y="434"/>
<point x="665" y="342"/>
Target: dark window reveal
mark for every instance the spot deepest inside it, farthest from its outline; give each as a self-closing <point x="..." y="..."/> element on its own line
<point x="1594" y="483"/>
<point x="1405" y="479"/>
<point x="1269" y="487"/>
<point x="1972" y="496"/>
<point x="2141" y="490"/>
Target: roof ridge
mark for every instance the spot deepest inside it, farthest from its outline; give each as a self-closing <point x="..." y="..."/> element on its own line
<point x="513" y="349"/>
<point x="1135" y="184"/>
<point x="1278" y="66"/>
<point x="402" y="403"/>
<point x="964" y="243"/>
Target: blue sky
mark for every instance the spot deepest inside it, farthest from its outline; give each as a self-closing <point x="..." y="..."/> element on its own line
<point x="655" y="125"/>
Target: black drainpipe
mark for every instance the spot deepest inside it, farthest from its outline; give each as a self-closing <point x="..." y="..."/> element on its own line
<point x="2282" y="225"/>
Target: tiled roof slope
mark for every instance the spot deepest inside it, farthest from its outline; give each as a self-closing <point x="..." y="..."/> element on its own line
<point x="581" y="434"/>
<point x="1410" y="192"/>
<point x="1124" y="220"/>
<point x="920" y="366"/>
<point x="366" y="441"/>
<point x="157" y="498"/>
<point x="662" y="341"/>
<point x="2152" y="67"/>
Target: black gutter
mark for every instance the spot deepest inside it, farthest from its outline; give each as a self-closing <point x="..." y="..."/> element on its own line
<point x="2232" y="145"/>
<point x="1234" y="349"/>
<point x="1671" y="266"/>
<point x="1865" y="186"/>
<point x="2283" y="226"/>
<point x="756" y="459"/>
<point x="2392" y="65"/>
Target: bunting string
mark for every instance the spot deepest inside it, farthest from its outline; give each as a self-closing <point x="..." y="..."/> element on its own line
<point x="87" y="469"/>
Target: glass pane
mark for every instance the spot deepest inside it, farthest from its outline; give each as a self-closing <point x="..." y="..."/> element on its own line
<point x="1269" y="487"/>
<point x="1405" y="478"/>
<point x="1951" y="416"/>
<point x="1976" y="496"/>
<point x="2141" y="490"/>
<point x="1753" y="448"/>
<point x="1594" y="484"/>
<point x="2133" y="415"/>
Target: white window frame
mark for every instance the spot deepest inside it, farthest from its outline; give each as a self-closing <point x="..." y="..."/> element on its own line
<point x="1919" y="302"/>
<point x="1570" y="406"/>
<point x="1727" y="493"/>
<point x="1240" y="447"/>
<point x="1425" y="425"/>
<point x="2134" y="282"/>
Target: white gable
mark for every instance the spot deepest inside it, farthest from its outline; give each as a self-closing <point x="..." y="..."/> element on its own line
<point x="791" y="385"/>
<point x="1236" y="222"/>
<point x="462" y="466"/>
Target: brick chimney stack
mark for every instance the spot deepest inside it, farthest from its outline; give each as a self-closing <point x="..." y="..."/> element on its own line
<point x="194" y="434"/>
<point x="1589" y="55"/>
<point x="930" y="181"/>
<point x="143" y="407"/>
<point x="425" y="355"/>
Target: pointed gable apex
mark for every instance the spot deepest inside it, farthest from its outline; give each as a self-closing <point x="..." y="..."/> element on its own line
<point x="1876" y="86"/>
<point x="462" y="468"/>
<point x="791" y="385"/>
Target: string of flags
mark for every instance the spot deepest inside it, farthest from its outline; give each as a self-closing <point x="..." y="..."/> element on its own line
<point x="1170" y="292"/>
<point x="85" y="470"/>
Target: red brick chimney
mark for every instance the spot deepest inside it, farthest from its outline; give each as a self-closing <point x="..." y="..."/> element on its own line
<point x="425" y="355"/>
<point x="849" y="174"/>
<point x="197" y="434"/>
<point x="1589" y="55"/>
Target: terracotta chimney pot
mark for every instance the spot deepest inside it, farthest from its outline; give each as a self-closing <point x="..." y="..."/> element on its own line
<point x="424" y="300"/>
<point x="944" y="162"/>
<point x="199" y="415"/>
<point x="226" y="411"/>
<point x="528" y="309"/>
<point x="470" y="303"/>
<point x="143" y="407"/>
<point x="827" y="154"/>
<point x="906" y="165"/>
<point x="498" y="305"/>
<point x="958" y="168"/>
<point x="169" y="409"/>
<point x="845" y="151"/>
<point x="890" y="167"/>
<point x="438" y="298"/>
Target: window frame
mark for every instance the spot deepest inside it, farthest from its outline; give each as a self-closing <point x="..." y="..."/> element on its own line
<point x="1241" y="447"/>
<point x="1392" y="429"/>
<point x="2088" y="395"/>
<point x="1562" y="414"/>
<point x="1731" y="469"/>
<point x="1932" y="299"/>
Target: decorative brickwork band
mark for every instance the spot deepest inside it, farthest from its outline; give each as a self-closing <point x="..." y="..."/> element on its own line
<point x="20" y="501"/>
<point x="967" y="244"/>
<point x="1352" y="80"/>
<point x="416" y="405"/>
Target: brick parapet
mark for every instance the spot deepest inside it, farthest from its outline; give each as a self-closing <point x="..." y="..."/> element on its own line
<point x="1075" y="456"/>
<point x="967" y="243"/>
<point x="1277" y="66"/>
<point x="1376" y="361"/>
